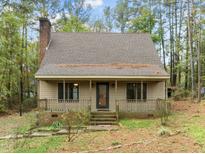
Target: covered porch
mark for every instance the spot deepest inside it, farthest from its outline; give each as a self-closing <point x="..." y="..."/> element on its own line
<point x="123" y="95"/>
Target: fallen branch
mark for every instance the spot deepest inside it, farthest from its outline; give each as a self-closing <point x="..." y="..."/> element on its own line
<point x="119" y="146"/>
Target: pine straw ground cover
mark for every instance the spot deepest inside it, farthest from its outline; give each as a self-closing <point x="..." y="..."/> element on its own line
<point x="186" y="134"/>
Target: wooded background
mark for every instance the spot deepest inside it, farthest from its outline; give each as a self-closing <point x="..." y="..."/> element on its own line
<point x="176" y="26"/>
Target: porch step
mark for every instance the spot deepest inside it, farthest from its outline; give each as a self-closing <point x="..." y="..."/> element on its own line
<point x="103" y="123"/>
<point x="103" y="113"/>
<point x="103" y="118"/>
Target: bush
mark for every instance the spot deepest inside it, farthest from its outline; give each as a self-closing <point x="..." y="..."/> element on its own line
<point x="30" y="103"/>
<point x="74" y="121"/>
<point x="180" y="94"/>
<point x="56" y="125"/>
<point x="163" y="110"/>
<point x="2" y="104"/>
<point x="2" y="108"/>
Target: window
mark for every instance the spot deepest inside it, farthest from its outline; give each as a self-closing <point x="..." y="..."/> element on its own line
<point x="136" y="91"/>
<point x="71" y="91"/>
<point x="144" y="91"/>
<point x="60" y="91"/>
<point x="131" y="91"/>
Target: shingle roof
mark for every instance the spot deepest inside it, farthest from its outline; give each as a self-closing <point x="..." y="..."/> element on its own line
<point x="101" y="54"/>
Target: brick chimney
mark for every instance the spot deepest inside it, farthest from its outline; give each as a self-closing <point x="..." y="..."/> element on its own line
<point x="45" y="33"/>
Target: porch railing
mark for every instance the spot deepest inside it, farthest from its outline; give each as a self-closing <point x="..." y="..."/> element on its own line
<point x="55" y="105"/>
<point x="137" y="106"/>
<point x="121" y="105"/>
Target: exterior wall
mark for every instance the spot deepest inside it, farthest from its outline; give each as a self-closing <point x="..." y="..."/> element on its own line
<point x="49" y="90"/>
<point x="156" y="90"/>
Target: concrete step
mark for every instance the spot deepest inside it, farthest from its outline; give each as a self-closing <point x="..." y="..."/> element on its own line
<point x="103" y="122"/>
<point x="103" y="119"/>
<point x="103" y="116"/>
<point x="103" y="112"/>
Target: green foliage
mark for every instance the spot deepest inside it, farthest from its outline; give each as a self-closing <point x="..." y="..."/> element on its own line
<point x="72" y="24"/>
<point x="108" y="14"/>
<point x="115" y="143"/>
<point x="163" y="110"/>
<point x="164" y="131"/>
<point x="16" y="50"/>
<point x="2" y="107"/>
<point x="74" y="121"/>
<point x="198" y="132"/>
<point x="75" y="118"/>
<point x="78" y="9"/>
<point x="134" y="123"/>
<point x="29" y="122"/>
<point x="56" y="125"/>
<point x="99" y="26"/>
<point x="121" y="14"/>
<point x="180" y="94"/>
<point x="145" y="22"/>
<point x="29" y="103"/>
<point x="38" y="145"/>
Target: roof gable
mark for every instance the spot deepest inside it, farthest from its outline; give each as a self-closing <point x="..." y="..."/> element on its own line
<point x="99" y="48"/>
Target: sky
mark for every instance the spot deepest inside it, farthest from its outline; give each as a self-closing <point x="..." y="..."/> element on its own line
<point x="96" y="13"/>
<point x="98" y="6"/>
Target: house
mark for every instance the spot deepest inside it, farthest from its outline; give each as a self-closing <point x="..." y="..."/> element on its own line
<point x="99" y="71"/>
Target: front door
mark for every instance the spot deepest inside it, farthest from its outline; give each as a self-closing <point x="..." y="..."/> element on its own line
<point x="102" y="95"/>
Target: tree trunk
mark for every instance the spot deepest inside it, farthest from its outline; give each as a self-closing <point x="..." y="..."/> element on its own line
<point x="190" y="48"/>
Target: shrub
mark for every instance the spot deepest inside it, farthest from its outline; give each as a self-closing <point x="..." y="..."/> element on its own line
<point x="180" y="94"/>
<point x="56" y="125"/>
<point x="74" y="121"/>
<point x="29" y="103"/>
<point x="2" y="108"/>
<point x="163" y="110"/>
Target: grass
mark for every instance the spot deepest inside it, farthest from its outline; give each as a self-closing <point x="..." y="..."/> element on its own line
<point x="38" y="145"/>
<point x="115" y="143"/>
<point x="134" y="123"/>
<point x="193" y="124"/>
<point x="17" y="124"/>
<point x="197" y="132"/>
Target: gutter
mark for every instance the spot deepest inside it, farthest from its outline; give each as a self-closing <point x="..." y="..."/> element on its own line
<point x="101" y="77"/>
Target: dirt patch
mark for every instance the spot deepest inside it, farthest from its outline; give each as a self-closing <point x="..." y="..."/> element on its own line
<point x="188" y="107"/>
<point x="172" y="144"/>
<point x="145" y="139"/>
<point x="150" y="142"/>
<point x="9" y="124"/>
<point x="47" y="118"/>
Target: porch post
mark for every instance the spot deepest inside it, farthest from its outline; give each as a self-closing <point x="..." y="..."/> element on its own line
<point x="116" y="103"/>
<point x="165" y="89"/>
<point x="90" y="90"/>
<point x="115" y="90"/>
<point x="141" y="90"/>
<point x="63" y="89"/>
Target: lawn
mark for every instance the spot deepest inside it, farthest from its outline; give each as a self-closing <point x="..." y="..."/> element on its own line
<point x="186" y="127"/>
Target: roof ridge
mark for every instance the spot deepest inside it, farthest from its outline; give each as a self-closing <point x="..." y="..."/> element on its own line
<point x="128" y="33"/>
